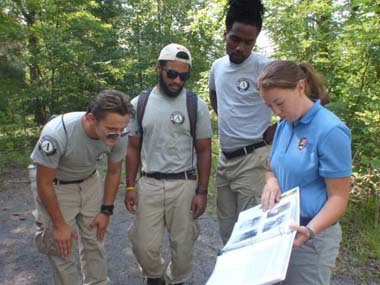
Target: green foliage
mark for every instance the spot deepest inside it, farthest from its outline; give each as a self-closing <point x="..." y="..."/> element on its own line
<point x="150" y="25"/>
<point x="360" y="246"/>
<point x="65" y="47"/>
<point x="66" y="52"/>
<point x="17" y="143"/>
<point x="56" y="55"/>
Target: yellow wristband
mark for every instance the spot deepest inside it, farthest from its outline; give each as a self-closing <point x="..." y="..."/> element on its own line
<point x="130" y="188"/>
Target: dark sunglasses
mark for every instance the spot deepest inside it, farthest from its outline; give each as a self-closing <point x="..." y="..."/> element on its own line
<point x="172" y="74"/>
<point x="116" y="135"/>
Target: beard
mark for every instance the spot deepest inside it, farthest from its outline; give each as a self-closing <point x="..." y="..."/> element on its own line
<point x="165" y="88"/>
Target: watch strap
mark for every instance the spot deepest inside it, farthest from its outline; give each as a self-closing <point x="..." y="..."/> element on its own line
<point x="200" y="191"/>
<point x="310" y="231"/>
<point x="107" y="209"/>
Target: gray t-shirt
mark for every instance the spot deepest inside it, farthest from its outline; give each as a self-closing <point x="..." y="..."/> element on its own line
<point x="74" y="155"/>
<point x="167" y="144"/>
<point x="242" y="114"/>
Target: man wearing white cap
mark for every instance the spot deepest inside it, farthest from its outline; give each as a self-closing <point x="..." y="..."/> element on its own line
<point x="173" y="150"/>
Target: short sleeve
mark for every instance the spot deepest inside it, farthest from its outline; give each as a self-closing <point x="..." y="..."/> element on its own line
<point x="204" y="129"/>
<point x="335" y="158"/>
<point x="133" y="127"/>
<point x="211" y="80"/>
<point x="119" y="151"/>
<point x="49" y="148"/>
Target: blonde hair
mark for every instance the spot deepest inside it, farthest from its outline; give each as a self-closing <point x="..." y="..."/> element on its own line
<point x="286" y="74"/>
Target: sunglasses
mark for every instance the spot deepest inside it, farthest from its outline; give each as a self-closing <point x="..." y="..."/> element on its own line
<point x="116" y="135"/>
<point x="172" y="74"/>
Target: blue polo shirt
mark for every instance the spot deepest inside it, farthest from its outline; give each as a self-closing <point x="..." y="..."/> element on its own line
<point x="305" y="152"/>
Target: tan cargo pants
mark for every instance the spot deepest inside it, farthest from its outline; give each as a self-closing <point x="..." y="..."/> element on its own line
<point x="239" y="184"/>
<point x="164" y="204"/>
<point x="79" y="203"/>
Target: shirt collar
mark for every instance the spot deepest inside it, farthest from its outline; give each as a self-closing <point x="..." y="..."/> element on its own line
<point x="309" y="116"/>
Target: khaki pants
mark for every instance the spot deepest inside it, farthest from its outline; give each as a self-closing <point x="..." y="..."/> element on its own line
<point x="239" y="184"/>
<point x="79" y="204"/>
<point x="313" y="262"/>
<point x="164" y="203"/>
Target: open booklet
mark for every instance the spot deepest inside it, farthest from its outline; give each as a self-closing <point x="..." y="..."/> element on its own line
<point x="259" y="248"/>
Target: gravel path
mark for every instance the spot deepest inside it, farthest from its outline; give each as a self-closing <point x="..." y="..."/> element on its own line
<point x="20" y="262"/>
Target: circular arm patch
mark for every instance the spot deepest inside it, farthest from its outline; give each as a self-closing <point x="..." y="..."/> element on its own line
<point x="47" y="145"/>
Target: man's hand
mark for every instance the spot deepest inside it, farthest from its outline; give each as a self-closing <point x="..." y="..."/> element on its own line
<point x="269" y="133"/>
<point x="198" y="205"/>
<point x="62" y="237"/>
<point x="130" y="201"/>
<point x="100" y="222"/>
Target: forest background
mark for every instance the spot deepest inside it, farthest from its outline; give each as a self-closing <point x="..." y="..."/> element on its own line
<point x="56" y="55"/>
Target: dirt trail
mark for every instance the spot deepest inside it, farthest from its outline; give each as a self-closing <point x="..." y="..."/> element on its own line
<point x="20" y="263"/>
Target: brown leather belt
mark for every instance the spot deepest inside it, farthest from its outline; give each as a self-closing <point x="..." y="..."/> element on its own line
<point x="244" y="150"/>
<point x="186" y="175"/>
<point x="57" y="181"/>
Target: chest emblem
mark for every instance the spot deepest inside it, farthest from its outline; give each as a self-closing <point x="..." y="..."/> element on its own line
<point x="302" y="143"/>
<point x="243" y="84"/>
<point x="177" y="118"/>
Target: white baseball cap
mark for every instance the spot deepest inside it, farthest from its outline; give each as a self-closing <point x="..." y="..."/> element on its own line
<point x="171" y="52"/>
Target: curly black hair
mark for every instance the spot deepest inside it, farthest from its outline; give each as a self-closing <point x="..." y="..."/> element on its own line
<point x="245" y="11"/>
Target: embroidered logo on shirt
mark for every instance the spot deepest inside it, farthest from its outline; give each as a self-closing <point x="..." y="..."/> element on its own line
<point x="302" y="143"/>
<point x="177" y="118"/>
<point x="243" y="84"/>
<point x="47" y="145"/>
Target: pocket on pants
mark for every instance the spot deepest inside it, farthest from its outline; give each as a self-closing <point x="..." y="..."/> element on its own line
<point x="44" y="239"/>
<point x="195" y="229"/>
<point x="132" y="232"/>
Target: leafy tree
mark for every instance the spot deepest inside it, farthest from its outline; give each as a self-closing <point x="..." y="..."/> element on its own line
<point x="67" y="47"/>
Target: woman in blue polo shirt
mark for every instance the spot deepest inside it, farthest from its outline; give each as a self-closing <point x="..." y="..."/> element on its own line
<point x="311" y="150"/>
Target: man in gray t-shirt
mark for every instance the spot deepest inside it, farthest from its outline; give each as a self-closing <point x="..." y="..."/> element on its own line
<point x="243" y="118"/>
<point x="175" y="168"/>
<point x="71" y="196"/>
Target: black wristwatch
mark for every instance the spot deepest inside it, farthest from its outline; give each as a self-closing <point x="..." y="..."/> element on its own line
<point x="107" y="209"/>
<point x="200" y="191"/>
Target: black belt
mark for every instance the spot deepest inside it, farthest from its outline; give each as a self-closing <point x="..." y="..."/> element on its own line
<point x="57" y="181"/>
<point x="304" y="221"/>
<point x="244" y="150"/>
<point x="186" y="175"/>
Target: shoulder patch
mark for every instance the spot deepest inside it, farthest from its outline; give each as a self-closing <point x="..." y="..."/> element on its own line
<point x="47" y="145"/>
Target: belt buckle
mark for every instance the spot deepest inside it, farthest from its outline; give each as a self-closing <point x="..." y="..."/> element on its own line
<point x="190" y="173"/>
